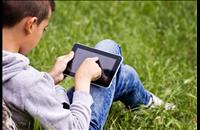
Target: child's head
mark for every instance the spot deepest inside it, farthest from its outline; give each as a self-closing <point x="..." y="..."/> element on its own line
<point x="27" y="20"/>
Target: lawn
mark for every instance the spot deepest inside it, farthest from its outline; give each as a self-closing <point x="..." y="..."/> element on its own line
<point x="157" y="38"/>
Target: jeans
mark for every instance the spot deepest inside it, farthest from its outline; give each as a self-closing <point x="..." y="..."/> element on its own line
<point x="125" y="87"/>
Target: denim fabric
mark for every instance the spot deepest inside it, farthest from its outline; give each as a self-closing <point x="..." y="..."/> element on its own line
<point x="126" y="87"/>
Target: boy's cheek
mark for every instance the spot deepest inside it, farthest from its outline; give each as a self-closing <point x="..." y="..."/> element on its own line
<point x="37" y="39"/>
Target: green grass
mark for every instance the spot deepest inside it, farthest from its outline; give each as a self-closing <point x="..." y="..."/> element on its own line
<point x="157" y="38"/>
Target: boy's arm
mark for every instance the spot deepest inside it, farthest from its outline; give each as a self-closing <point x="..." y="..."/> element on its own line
<point x="41" y="102"/>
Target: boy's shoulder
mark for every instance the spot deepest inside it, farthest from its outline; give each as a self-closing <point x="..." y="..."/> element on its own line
<point x="16" y="69"/>
<point x="27" y="76"/>
<point x="23" y="78"/>
<point x="30" y="78"/>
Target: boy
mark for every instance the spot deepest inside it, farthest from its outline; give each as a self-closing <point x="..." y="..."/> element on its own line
<point x="31" y="94"/>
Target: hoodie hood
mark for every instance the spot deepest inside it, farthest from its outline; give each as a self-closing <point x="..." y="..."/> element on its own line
<point x="13" y="63"/>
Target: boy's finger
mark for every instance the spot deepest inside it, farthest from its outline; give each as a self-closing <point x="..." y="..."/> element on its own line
<point x="69" y="57"/>
<point x="60" y="58"/>
<point x="95" y="58"/>
<point x="71" y="54"/>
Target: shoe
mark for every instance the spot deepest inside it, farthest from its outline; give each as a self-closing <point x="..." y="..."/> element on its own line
<point x="155" y="102"/>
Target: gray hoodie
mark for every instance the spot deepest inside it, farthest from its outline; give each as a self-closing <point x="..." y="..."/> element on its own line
<point x="31" y="94"/>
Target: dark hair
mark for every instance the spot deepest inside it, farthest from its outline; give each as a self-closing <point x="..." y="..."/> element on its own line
<point x="14" y="11"/>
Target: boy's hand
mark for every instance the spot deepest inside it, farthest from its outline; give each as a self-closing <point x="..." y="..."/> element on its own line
<point x="88" y="71"/>
<point x="61" y="63"/>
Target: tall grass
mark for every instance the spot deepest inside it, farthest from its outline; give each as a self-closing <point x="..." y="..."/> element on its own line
<point x="157" y="38"/>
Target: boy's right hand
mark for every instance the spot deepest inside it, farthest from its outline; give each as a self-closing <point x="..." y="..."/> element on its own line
<point x="88" y="71"/>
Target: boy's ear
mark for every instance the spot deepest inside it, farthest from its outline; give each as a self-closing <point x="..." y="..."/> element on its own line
<point x="29" y="24"/>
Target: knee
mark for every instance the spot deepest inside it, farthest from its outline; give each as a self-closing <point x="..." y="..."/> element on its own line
<point x="129" y="73"/>
<point x="109" y="46"/>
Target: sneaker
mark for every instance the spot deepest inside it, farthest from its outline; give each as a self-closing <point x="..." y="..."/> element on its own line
<point x="155" y="102"/>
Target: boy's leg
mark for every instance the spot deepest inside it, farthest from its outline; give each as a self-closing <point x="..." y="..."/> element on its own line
<point x="126" y="85"/>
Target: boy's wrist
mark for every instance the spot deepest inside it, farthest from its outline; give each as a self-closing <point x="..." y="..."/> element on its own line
<point x="56" y="77"/>
<point x="52" y="75"/>
<point x="82" y="83"/>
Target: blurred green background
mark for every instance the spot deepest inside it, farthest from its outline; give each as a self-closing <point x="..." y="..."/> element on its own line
<point x="157" y="38"/>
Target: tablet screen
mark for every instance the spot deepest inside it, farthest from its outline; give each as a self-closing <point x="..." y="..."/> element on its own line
<point x="109" y="63"/>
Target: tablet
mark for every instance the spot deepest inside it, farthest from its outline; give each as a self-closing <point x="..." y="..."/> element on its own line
<point x="109" y="63"/>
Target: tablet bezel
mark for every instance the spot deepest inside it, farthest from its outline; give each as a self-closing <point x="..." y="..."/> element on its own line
<point x="100" y="52"/>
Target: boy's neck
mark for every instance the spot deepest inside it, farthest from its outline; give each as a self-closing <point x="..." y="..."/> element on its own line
<point x="10" y="40"/>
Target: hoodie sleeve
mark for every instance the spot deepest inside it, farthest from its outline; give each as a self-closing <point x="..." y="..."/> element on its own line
<point x="41" y="102"/>
<point x="60" y="91"/>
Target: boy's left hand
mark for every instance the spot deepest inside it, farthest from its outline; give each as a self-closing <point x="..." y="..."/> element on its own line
<point x="61" y="63"/>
